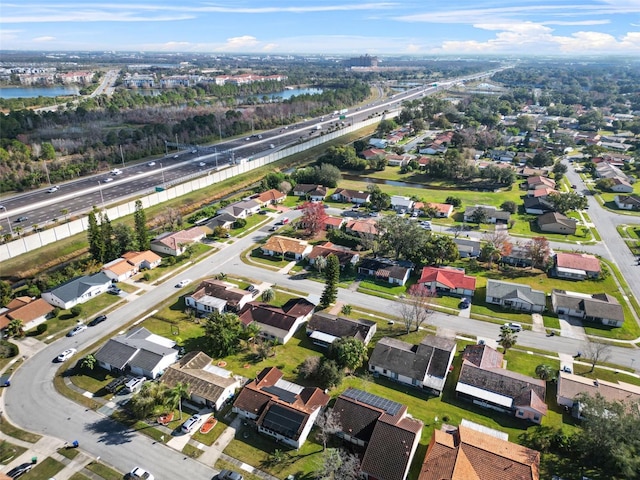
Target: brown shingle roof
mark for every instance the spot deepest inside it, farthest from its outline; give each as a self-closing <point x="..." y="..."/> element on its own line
<point x="25" y="309"/>
<point x="282" y="318"/>
<point x="219" y="289"/>
<point x="272" y="195"/>
<point x="578" y="261"/>
<point x="281" y="245"/>
<point x="467" y="454"/>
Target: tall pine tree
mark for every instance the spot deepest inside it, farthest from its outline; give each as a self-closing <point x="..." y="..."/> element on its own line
<point x="332" y="276"/>
<point x="110" y="246"/>
<point x="94" y="234"/>
<point x="142" y="234"/>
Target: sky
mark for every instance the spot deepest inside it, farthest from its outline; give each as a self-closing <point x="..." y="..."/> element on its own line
<point x="351" y="27"/>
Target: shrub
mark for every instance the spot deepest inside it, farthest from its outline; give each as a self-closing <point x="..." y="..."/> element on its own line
<point x="40" y="329"/>
<point x="8" y="349"/>
<point x="55" y="312"/>
<point x="239" y="223"/>
<point x="76" y="310"/>
<point x="146" y="277"/>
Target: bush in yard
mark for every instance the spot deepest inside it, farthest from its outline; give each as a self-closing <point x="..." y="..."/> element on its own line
<point x="146" y="277"/>
<point x="8" y="349"/>
<point x="76" y="310"/>
<point x="55" y="312"/>
<point x="40" y="329"/>
<point x="240" y="223"/>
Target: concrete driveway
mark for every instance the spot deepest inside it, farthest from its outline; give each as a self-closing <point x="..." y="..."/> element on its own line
<point x="572" y="327"/>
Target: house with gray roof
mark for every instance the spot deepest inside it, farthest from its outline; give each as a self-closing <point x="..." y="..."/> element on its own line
<point x="467" y="247"/>
<point x="425" y="365"/>
<point x="515" y="296"/>
<point x="323" y="329"/>
<point x="600" y="307"/>
<point x="137" y="352"/>
<point x="224" y="220"/>
<point x="241" y="209"/>
<point x="493" y="214"/>
<point x="207" y="384"/>
<point x="78" y="290"/>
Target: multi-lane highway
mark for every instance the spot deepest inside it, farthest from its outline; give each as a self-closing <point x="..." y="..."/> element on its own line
<point x="41" y="207"/>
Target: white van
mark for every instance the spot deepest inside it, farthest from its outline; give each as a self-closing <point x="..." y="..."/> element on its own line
<point x="514" y="327"/>
<point x="135" y="384"/>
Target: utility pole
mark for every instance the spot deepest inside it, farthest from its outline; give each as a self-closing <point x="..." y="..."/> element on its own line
<point x="166" y="148"/>
<point x="122" y="156"/>
<point x="8" y="221"/>
<point x="101" y="196"/>
<point x="177" y="147"/>
<point x="220" y="131"/>
<point x="46" y="170"/>
<point x="215" y="155"/>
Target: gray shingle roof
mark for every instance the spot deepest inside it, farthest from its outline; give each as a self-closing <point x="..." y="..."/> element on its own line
<point x="78" y="286"/>
<point x="506" y="290"/>
<point x="340" y="327"/>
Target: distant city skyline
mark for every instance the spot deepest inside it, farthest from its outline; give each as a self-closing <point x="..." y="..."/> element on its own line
<point x="350" y="27"/>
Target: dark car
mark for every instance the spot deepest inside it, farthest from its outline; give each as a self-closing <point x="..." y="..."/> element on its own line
<point x="250" y="288"/>
<point x="22" y="219"/>
<point x="229" y="475"/>
<point x="20" y="470"/>
<point x="97" y="320"/>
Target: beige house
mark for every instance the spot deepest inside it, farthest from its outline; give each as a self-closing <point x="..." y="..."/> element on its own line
<point x="175" y="243"/>
<point x="279" y="246"/>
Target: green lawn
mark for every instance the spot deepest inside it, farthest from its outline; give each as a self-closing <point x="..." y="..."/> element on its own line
<point x="46" y="468"/>
<point x="9" y="451"/>
<point x="103" y="471"/>
<point x="252" y="222"/>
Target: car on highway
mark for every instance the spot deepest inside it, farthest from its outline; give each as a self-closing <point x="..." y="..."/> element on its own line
<point x="176" y="156"/>
<point x="229" y="475"/>
<point x="66" y="355"/>
<point x="22" y="219"/>
<point x="97" y="320"/>
<point x="192" y="422"/>
<point x="20" y="470"/>
<point x="81" y="327"/>
<point x="116" y="171"/>
<point x="138" y="472"/>
<point x="273" y="229"/>
<point x="202" y="164"/>
<point x="53" y="189"/>
<point x="107" y="180"/>
<point x="152" y="164"/>
<point x="183" y="283"/>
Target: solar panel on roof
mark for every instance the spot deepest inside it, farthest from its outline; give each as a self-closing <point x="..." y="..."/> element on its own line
<point x="281" y="420"/>
<point x="388" y="406"/>
<point x="281" y="393"/>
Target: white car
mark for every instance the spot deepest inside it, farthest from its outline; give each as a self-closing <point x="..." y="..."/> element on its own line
<point x="66" y="355"/>
<point x="53" y="189"/>
<point x="183" y="283"/>
<point x="202" y="164"/>
<point x="152" y="164"/>
<point x="116" y="171"/>
<point x="107" y="180"/>
<point x="191" y="423"/>
<point x="138" y="472"/>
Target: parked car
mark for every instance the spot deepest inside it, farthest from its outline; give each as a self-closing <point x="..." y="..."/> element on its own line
<point x="134" y="384"/>
<point x="183" y="283"/>
<point x="191" y="423"/>
<point x="250" y="288"/>
<point x="115" y="384"/>
<point x="76" y="330"/>
<point x="138" y="472"/>
<point x="514" y="327"/>
<point x="20" y="470"/>
<point x="465" y="303"/>
<point x="273" y="229"/>
<point x="567" y="369"/>
<point x="66" y="355"/>
<point x="97" y="320"/>
<point x="229" y="475"/>
<point x="113" y="290"/>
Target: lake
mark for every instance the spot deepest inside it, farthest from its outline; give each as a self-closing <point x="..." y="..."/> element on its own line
<point x="31" y="92"/>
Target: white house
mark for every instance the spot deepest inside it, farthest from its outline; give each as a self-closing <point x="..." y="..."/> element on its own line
<point x="399" y="203"/>
<point x="78" y="290"/>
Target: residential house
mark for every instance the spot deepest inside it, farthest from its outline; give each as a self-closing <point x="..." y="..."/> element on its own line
<point x="217" y="296"/>
<point x="333" y="223"/>
<point x="515" y="296"/>
<point x="395" y="160"/>
<point x="442" y="210"/>
<point x="323" y="329"/>
<point x="351" y="196"/>
<point x="277" y="323"/>
<point x="538" y="181"/>
<point x="137" y="352"/>
<point x="401" y="204"/>
<point x="529" y="172"/>
<point x="554" y="222"/>
<point x="542" y="193"/>
<point x="606" y="170"/>
<point x="484" y="382"/>
<point x="270" y="197"/>
<point x="519" y="256"/>
<point x="362" y="226"/>
<point x="465" y="452"/>
<point x="502" y="156"/>
<point x="396" y="272"/>
<point x="286" y="247"/>
<point x="119" y="269"/>
<point x="345" y="255"/>
<point x="467" y="247"/>
<point x="241" y="209"/>
<point x="378" y="143"/>
<point x="279" y="408"/>
<point x="570" y="386"/>
<point x="627" y="202"/>
<point x="383" y="427"/>
<point x="425" y="365"/>
<point x="175" y="243"/>
<point x="370" y="153"/>
<point x="439" y="145"/>
<point x="599" y="308"/>
<point x="537" y="205"/>
<point x="576" y="266"/>
<point x="207" y="384"/>
<point x="78" y="290"/>
<point x="146" y="260"/>
<point x="492" y="213"/>
<point x="448" y="281"/>
<point x="30" y="311"/>
<point x="224" y="220"/>
<point x="313" y="192"/>
<point x="621" y="185"/>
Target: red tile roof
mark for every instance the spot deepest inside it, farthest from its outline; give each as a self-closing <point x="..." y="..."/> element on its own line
<point x="578" y="261"/>
<point x="450" y="277"/>
<point x="272" y="195"/>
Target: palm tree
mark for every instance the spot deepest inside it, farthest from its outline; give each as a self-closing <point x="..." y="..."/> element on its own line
<point x="176" y="394"/>
<point x="320" y="263"/>
<point x="251" y="332"/>
<point x="507" y="338"/>
<point x="544" y="372"/>
<point x="14" y="328"/>
<point x="268" y="295"/>
<point x="88" y="362"/>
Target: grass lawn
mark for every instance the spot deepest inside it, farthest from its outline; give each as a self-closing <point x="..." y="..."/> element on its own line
<point x="104" y="471"/>
<point x="44" y="469"/>
<point x="252" y="222"/>
<point x="273" y="263"/>
<point x="78" y="476"/>
<point x="9" y="451"/>
<point x="13" y="431"/>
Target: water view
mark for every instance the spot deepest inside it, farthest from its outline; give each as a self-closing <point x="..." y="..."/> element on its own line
<point x="32" y="92"/>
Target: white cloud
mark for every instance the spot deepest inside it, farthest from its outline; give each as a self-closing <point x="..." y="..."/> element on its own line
<point x="239" y="44"/>
<point x="44" y="39"/>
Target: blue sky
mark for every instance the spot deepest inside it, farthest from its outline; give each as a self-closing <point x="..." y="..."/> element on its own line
<point x="420" y="27"/>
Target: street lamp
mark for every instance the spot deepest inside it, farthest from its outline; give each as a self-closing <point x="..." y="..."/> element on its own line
<point x="164" y="185"/>
<point x="101" y="196"/>
<point x="7" y="217"/>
